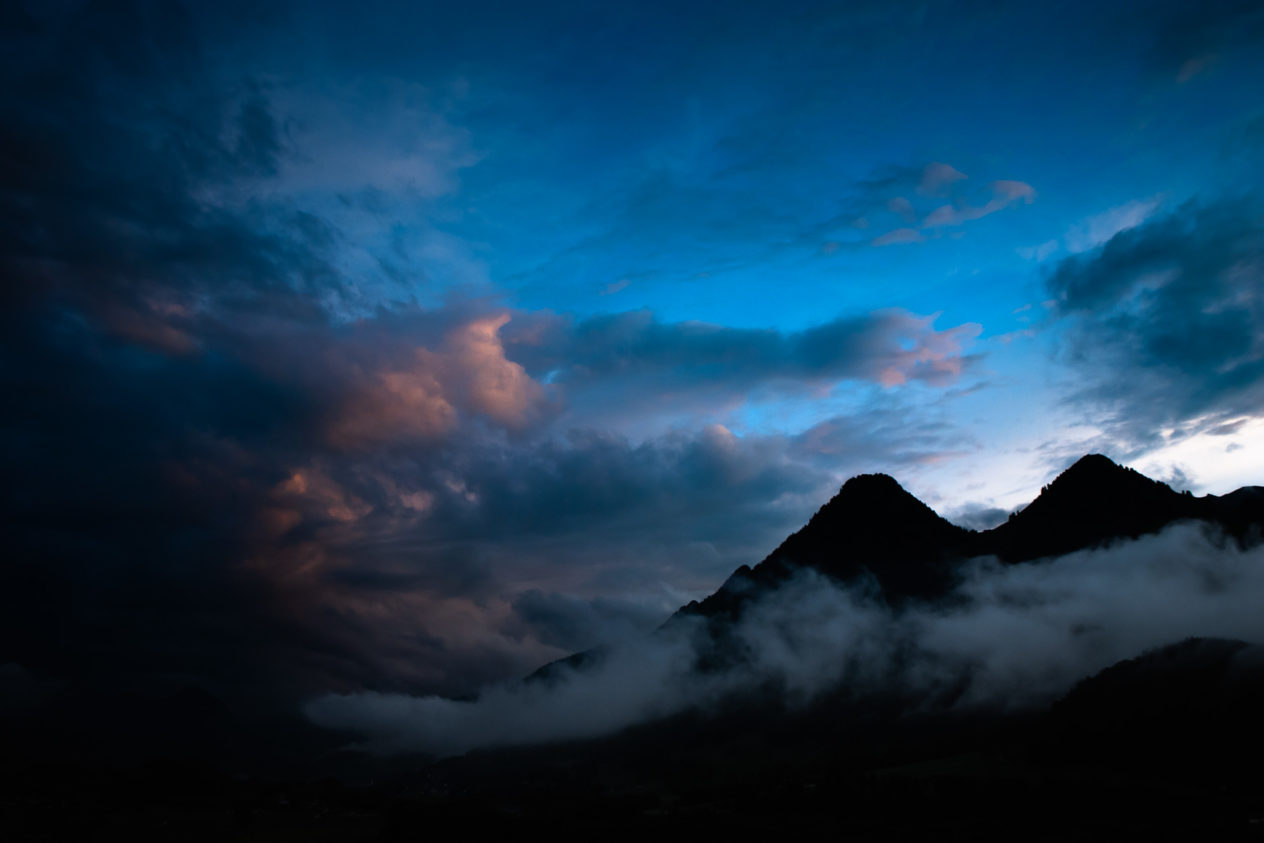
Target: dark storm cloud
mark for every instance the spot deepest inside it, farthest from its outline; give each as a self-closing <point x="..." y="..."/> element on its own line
<point x="1165" y="320"/>
<point x="213" y="473"/>
<point x="141" y="443"/>
<point x="214" y="479"/>
<point x="116" y="139"/>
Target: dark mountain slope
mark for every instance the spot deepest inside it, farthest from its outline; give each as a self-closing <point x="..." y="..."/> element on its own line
<point x="1239" y="513"/>
<point x="1093" y="502"/>
<point x="1187" y="711"/>
<point x="872" y="527"/>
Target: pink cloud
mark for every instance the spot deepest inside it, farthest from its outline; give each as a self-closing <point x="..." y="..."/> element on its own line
<point x="936" y="176"/>
<point x="919" y="352"/>
<point x="1004" y="194"/>
<point x="312" y="491"/>
<point x="615" y="286"/>
<point x="422" y="393"/>
<point x="155" y="324"/>
<point x="408" y="402"/>
<point x="899" y="235"/>
<point x="493" y="384"/>
<point x="903" y="207"/>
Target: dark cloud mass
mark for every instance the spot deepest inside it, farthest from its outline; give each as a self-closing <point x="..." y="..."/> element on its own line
<point x="888" y="347"/>
<point x="1189" y="40"/>
<point x="227" y="462"/>
<point x="1165" y="321"/>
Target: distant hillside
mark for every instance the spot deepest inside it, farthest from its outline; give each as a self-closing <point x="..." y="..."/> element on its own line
<point x="1188" y="710"/>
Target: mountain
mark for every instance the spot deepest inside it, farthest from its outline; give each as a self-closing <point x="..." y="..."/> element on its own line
<point x="871" y="527"/>
<point x="1190" y="709"/>
<point x="875" y="529"/>
<point x="1093" y="502"/>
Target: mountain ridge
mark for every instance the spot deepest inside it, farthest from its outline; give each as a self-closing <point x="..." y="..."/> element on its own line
<point x="909" y="549"/>
<point x="874" y="530"/>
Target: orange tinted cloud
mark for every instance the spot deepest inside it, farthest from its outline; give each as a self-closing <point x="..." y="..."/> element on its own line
<point x="936" y="357"/>
<point x="421" y="393"/>
<point x="494" y="385"/>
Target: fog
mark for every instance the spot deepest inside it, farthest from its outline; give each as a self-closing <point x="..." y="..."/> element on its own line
<point x="1006" y="638"/>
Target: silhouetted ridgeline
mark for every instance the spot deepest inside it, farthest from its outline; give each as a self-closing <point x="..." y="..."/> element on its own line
<point x="874" y="528"/>
<point x="875" y="532"/>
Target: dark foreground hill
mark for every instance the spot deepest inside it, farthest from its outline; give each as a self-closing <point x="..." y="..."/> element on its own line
<point x="1164" y="746"/>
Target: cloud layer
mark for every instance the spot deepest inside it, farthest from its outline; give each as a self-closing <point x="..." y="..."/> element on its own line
<point x="231" y="419"/>
<point x="1009" y="638"/>
<point x="1166" y="321"/>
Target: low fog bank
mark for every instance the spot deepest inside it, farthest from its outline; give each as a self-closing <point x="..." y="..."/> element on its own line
<point x="1007" y="638"/>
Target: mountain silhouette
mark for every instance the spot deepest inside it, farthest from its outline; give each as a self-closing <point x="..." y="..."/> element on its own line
<point x="1093" y="502"/>
<point x="872" y="527"/>
<point x="1190" y="709"/>
<point x="875" y="530"/>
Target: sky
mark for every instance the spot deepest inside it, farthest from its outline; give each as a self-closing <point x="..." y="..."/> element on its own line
<point x="355" y="348"/>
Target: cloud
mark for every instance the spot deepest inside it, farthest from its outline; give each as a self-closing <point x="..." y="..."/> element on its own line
<point x="1164" y="322"/>
<point x="977" y="516"/>
<point x="884" y="197"/>
<point x="636" y="353"/>
<point x="936" y="176"/>
<point x="1187" y="41"/>
<point x="615" y="286"/>
<point x="417" y="393"/>
<point x="573" y="624"/>
<point x="235" y="421"/>
<point x="899" y="235"/>
<point x="903" y="207"/>
<point x="1010" y="637"/>
<point x="413" y="150"/>
<point x="1004" y="194"/>
<point x="1099" y="228"/>
<point x="1039" y="252"/>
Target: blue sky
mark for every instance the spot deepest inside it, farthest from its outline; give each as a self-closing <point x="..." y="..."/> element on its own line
<point x="426" y="333"/>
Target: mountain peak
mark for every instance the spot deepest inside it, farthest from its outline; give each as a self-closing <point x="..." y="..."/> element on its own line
<point x="1092" y="501"/>
<point x="872" y="524"/>
<point x="1098" y="478"/>
<point x="872" y="482"/>
<point x="869" y="502"/>
<point x="1095" y="462"/>
<point x="1095" y="467"/>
